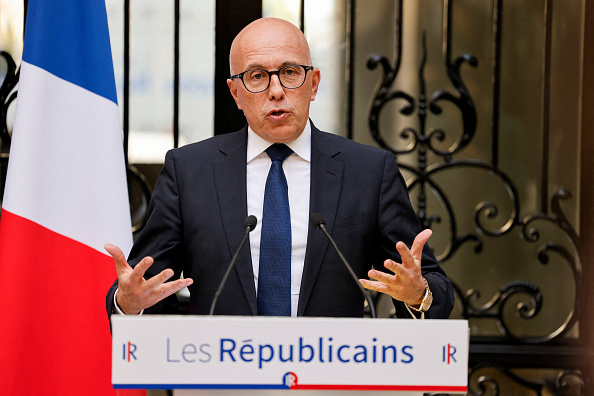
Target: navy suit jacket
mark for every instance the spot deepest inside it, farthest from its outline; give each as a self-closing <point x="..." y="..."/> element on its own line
<point x="196" y="215"/>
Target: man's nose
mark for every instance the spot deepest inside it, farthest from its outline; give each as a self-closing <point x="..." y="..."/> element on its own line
<point x="276" y="89"/>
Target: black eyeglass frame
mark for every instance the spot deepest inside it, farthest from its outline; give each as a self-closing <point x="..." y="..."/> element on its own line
<point x="272" y="73"/>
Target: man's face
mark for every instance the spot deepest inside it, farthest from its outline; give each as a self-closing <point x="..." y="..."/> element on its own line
<point x="277" y="114"/>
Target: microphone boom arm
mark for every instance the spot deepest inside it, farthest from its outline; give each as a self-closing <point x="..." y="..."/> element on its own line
<point x="320" y="224"/>
<point x="250" y="224"/>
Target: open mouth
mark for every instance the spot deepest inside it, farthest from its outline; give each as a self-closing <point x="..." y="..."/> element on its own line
<point x="277" y="113"/>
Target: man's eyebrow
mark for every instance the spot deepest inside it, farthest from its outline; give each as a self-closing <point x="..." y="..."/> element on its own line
<point x="253" y="66"/>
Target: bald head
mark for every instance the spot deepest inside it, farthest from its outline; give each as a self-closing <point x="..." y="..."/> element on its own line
<point x="265" y="33"/>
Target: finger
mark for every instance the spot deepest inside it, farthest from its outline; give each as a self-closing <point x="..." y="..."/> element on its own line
<point x="381" y="276"/>
<point x="407" y="258"/>
<point x="393" y="266"/>
<point x="419" y="243"/>
<point x="118" y="257"/>
<point x="367" y="284"/>
<point x="141" y="267"/>
<point x="375" y="286"/>
<point x="170" y="288"/>
<point x="159" y="279"/>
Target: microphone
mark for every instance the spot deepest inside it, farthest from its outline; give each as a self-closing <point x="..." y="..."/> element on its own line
<point x="317" y="221"/>
<point x="249" y="224"/>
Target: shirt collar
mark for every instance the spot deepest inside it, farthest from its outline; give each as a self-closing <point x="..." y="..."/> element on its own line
<point x="300" y="146"/>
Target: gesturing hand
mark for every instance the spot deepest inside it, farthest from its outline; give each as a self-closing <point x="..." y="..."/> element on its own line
<point x="407" y="283"/>
<point x="136" y="293"/>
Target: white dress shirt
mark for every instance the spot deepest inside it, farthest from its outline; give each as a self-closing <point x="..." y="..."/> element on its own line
<point x="297" y="169"/>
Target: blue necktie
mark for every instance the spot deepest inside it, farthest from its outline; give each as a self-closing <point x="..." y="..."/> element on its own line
<point x="274" y="277"/>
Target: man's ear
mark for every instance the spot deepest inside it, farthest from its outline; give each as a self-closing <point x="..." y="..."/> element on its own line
<point x="233" y="90"/>
<point x="315" y="83"/>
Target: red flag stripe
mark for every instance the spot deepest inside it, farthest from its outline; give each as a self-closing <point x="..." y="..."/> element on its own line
<point x="61" y="337"/>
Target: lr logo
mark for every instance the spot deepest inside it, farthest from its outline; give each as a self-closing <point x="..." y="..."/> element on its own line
<point x="290" y="380"/>
<point x="448" y="353"/>
<point x="129" y="349"/>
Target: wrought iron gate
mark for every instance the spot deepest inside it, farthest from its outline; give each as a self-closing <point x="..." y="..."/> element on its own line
<point x="435" y="151"/>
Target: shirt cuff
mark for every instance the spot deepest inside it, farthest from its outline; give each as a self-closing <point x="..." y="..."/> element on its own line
<point x="116" y="309"/>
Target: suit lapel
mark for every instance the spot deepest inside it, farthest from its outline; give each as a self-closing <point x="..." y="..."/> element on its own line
<point x="326" y="183"/>
<point x="230" y="183"/>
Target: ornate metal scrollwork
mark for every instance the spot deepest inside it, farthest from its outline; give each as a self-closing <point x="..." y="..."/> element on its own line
<point x="557" y="218"/>
<point x="489" y="220"/>
<point x="495" y="308"/>
<point x="565" y="383"/>
<point x="564" y="380"/>
<point x="7" y="96"/>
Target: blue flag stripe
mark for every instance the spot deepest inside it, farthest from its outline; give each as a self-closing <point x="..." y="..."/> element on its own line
<point x="70" y="39"/>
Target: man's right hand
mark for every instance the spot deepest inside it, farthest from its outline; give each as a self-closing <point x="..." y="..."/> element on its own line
<point x="136" y="293"/>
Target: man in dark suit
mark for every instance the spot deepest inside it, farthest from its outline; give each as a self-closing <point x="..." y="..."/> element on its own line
<point x="206" y="190"/>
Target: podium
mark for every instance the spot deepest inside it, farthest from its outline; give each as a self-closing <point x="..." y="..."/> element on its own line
<point x="273" y="354"/>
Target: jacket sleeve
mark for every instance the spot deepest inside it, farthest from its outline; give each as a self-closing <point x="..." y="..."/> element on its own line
<point x="161" y="238"/>
<point x="398" y="222"/>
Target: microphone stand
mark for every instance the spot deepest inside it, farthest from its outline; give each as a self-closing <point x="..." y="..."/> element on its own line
<point x="249" y="225"/>
<point x="318" y="221"/>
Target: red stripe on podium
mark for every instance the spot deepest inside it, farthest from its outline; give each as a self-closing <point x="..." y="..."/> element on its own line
<point x="409" y="388"/>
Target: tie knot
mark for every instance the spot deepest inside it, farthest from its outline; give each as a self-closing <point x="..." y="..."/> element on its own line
<point x="278" y="152"/>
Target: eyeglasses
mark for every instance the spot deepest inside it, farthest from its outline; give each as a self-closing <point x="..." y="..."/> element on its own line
<point x="258" y="80"/>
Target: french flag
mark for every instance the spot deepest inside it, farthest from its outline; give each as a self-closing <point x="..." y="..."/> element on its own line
<point x="66" y="196"/>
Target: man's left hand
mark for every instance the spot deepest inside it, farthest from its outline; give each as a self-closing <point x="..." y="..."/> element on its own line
<point x="406" y="284"/>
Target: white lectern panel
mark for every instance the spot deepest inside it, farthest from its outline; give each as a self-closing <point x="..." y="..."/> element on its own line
<point x="271" y="353"/>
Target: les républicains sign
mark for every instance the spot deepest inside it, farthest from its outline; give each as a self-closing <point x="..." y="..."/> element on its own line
<point x="197" y="352"/>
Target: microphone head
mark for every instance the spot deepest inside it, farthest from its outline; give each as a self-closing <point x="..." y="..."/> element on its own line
<point x="317" y="220"/>
<point x="251" y="222"/>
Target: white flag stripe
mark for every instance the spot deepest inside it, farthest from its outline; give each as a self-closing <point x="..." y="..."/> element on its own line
<point x="72" y="137"/>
